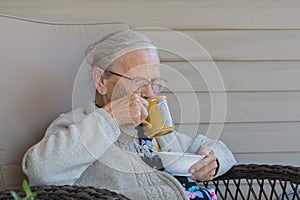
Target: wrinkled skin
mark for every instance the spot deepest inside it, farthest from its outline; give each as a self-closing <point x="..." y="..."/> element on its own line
<point x="205" y="169"/>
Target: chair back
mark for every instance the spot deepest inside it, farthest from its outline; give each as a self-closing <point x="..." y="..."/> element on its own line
<point x="40" y="67"/>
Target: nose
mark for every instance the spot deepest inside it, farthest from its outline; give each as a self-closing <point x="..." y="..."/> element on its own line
<point x="148" y="92"/>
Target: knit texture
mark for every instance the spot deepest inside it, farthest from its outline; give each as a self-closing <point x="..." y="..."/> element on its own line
<point x="85" y="147"/>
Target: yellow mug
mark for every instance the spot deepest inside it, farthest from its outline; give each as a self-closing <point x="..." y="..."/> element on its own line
<point x="159" y="121"/>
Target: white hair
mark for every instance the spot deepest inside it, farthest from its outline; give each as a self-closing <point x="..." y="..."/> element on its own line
<point x="104" y="52"/>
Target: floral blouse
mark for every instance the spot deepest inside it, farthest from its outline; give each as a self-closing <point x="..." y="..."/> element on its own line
<point x="147" y="150"/>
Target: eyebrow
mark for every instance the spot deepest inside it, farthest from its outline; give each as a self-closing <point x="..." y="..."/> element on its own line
<point x="132" y="78"/>
<point x="120" y="75"/>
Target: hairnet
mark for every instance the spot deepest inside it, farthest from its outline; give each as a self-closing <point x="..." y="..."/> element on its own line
<point x="113" y="46"/>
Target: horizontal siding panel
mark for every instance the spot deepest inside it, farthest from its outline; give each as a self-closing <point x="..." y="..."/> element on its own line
<point x="227" y="44"/>
<point x="241" y="138"/>
<point x="269" y="158"/>
<point x="236" y="76"/>
<point x="241" y="107"/>
<point x="232" y="14"/>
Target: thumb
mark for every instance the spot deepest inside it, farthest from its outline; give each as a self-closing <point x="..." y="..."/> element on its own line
<point x="203" y="150"/>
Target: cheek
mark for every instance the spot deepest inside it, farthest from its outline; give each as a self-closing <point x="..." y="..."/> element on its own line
<point x="119" y="90"/>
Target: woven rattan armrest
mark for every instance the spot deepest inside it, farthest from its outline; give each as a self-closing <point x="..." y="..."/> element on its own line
<point x="253" y="181"/>
<point x="68" y="192"/>
<point x="243" y="182"/>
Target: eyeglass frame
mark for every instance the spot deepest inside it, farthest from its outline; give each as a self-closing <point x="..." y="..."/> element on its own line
<point x="132" y="79"/>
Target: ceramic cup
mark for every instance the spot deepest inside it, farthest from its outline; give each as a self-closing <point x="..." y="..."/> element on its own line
<point x="159" y="121"/>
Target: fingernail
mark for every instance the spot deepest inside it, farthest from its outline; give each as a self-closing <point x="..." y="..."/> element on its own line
<point x="192" y="171"/>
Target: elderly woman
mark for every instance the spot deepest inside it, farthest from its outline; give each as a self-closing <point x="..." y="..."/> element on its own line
<point x="102" y="145"/>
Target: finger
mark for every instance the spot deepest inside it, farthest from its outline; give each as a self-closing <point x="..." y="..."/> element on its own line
<point x="133" y="109"/>
<point x="206" y="173"/>
<point x="144" y="113"/>
<point x="141" y="112"/>
<point x="143" y="101"/>
<point x="143" y="108"/>
<point x="203" y="150"/>
<point x="128" y="121"/>
<point x="204" y="170"/>
<point x="138" y="109"/>
<point x="203" y="162"/>
<point x="203" y="176"/>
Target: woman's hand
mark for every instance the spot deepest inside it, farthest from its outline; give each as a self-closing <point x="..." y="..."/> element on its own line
<point x="128" y="110"/>
<point x="204" y="169"/>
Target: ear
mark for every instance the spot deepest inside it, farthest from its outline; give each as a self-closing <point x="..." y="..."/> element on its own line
<point x="99" y="82"/>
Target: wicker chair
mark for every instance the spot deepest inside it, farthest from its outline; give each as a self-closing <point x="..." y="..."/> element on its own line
<point x="67" y="192"/>
<point x="257" y="182"/>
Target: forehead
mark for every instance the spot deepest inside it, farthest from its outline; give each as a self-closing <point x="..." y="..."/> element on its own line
<point x="139" y="60"/>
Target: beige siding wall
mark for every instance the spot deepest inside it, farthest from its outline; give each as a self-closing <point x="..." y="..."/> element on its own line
<point x="255" y="46"/>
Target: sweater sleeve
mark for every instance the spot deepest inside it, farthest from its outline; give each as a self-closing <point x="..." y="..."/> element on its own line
<point x="69" y="147"/>
<point x="178" y="142"/>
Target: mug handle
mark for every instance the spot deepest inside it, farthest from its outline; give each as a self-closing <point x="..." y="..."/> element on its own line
<point x="165" y="133"/>
<point x="147" y="124"/>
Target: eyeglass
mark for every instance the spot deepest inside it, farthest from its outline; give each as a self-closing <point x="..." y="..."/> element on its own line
<point x="141" y="84"/>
